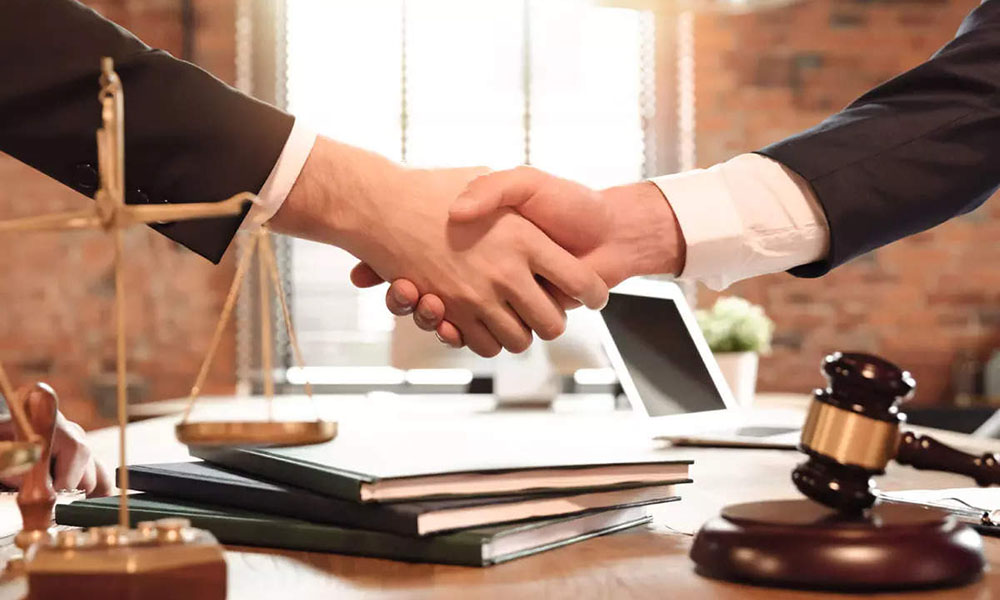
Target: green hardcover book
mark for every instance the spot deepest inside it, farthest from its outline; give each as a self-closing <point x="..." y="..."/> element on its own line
<point x="478" y="547"/>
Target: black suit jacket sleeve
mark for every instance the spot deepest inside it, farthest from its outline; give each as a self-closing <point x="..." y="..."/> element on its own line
<point x="188" y="136"/>
<point x="910" y="154"/>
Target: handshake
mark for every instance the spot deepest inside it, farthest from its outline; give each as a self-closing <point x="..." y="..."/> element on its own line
<point x="482" y="258"/>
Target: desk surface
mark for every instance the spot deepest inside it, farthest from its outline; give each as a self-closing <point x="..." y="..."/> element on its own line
<point x="647" y="562"/>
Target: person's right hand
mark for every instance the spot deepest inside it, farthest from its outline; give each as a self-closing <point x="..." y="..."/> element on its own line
<point x="620" y="232"/>
<point x="74" y="466"/>
<point x="396" y="219"/>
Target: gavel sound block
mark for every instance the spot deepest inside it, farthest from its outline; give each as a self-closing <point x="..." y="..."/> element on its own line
<point x="841" y="539"/>
<point x="157" y="560"/>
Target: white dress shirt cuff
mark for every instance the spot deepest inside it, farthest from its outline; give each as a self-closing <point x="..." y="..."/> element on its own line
<point x="286" y="170"/>
<point x="745" y="217"/>
<point x="711" y="228"/>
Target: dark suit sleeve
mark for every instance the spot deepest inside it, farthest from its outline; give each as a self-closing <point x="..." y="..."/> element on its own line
<point x="910" y="154"/>
<point x="188" y="136"/>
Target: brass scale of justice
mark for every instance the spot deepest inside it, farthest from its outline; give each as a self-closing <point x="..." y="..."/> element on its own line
<point x="166" y="558"/>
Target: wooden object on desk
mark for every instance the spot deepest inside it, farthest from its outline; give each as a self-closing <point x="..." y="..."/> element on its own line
<point x="802" y="543"/>
<point x="851" y="433"/>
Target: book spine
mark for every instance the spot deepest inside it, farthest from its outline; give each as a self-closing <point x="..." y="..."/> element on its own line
<point x="586" y="536"/>
<point x="293" y="535"/>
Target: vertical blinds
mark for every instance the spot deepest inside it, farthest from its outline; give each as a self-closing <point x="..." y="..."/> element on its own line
<point x="560" y="83"/>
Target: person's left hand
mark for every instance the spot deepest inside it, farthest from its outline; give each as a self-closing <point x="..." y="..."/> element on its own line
<point x="74" y="466"/>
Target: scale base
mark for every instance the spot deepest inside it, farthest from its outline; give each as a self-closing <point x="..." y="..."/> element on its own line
<point x="213" y="434"/>
<point x="159" y="560"/>
<point x="798" y="543"/>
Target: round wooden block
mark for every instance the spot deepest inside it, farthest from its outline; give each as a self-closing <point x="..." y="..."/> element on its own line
<point x="799" y="543"/>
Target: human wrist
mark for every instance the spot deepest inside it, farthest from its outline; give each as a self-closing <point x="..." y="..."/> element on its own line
<point x="335" y="199"/>
<point x="645" y="233"/>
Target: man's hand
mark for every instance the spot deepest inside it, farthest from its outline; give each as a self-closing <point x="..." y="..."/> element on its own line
<point x="73" y="464"/>
<point x="396" y="220"/>
<point x="620" y="232"/>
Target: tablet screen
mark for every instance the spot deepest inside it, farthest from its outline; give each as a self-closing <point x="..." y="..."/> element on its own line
<point x="659" y="356"/>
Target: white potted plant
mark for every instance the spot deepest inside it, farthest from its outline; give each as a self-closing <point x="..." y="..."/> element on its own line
<point x="737" y="332"/>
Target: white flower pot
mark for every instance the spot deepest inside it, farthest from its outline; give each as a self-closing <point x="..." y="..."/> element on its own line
<point x="740" y="371"/>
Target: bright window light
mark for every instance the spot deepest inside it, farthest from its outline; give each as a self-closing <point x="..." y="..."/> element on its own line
<point x="345" y="376"/>
<point x="605" y="376"/>
<point x="454" y="83"/>
<point x="439" y="376"/>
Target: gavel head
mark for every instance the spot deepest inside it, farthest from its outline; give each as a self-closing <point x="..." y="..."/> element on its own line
<point x="851" y="430"/>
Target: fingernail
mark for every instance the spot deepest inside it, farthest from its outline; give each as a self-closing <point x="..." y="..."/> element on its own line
<point x="426" y="313"/>
<point x="403" y="301"/>
<point x="446" y="342"/>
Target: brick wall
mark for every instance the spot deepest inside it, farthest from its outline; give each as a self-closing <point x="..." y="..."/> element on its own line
<point x="760" y="77"/>
<point x="919" y="302"/>
<point x="57" y="299"/>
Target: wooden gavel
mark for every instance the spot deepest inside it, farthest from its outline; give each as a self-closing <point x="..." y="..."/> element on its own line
<point x="852" y="431"/>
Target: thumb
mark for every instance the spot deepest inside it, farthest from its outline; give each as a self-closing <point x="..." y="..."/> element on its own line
<point x="487" y="193"/>
<point x="364" y="276"/>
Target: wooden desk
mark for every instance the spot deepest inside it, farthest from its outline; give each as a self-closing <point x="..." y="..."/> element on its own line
<point x="648" y="562"/>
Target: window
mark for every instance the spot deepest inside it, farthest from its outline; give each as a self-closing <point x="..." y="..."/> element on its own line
<point x="557" y="83"/>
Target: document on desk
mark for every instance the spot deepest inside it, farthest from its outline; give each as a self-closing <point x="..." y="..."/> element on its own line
<point x="976" y="506"/>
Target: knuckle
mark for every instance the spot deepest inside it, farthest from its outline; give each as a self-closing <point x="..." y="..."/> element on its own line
<point x="506" y="275"/>
<point x="477" y="182"/>
<point x="526" y="170"/>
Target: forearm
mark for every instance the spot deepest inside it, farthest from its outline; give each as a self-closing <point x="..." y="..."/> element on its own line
<point x="746" y="217"/>
<point x="188" y="136"/>
<point x="338" y="194"/>
<point x="910" y="154"/>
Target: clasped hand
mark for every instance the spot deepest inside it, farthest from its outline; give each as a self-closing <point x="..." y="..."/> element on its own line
<point x="615" y="233"/>
<point x="484" y="258"/>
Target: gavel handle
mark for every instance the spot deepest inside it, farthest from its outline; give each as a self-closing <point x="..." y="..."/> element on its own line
<point x="924" y="452"/>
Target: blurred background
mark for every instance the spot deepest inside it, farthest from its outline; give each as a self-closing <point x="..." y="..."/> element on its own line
<point x="604" y="92"/>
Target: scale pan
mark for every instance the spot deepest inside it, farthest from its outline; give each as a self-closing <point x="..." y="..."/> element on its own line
<point x="17" y="457"/>
<point x="255" y="433"/>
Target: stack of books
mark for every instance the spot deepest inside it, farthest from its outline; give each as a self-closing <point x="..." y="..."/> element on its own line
<point x="463" y="507"/>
